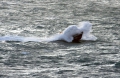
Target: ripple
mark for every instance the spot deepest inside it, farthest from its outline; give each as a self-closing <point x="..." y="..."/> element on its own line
<point x="40" y="27"/>
<point x="4" y="8"/>
<point x="117" y="65"/>
<point x="64" y="71"/>
<point x="80" y="60"/>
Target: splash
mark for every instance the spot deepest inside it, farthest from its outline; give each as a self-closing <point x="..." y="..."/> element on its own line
<point x="86" y="27"/>
<point x="66" y="35"/>
<point x="70" y="31"/>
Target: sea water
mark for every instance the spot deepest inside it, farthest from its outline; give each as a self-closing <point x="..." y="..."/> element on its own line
<point x="25" y="23"/>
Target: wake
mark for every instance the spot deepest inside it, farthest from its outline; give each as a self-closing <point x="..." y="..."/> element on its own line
<point x="19" y="38"/>
<point x="66" y="35"/>
<point x="29" y="39"/>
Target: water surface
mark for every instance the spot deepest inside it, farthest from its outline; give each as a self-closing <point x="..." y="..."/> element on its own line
<point x="39" y="18"/>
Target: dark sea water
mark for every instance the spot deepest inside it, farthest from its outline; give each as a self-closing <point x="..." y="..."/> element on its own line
<point x="43" y="18"/>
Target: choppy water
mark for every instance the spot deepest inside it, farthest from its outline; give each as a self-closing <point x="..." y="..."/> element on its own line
<point x="42" y="18"/>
